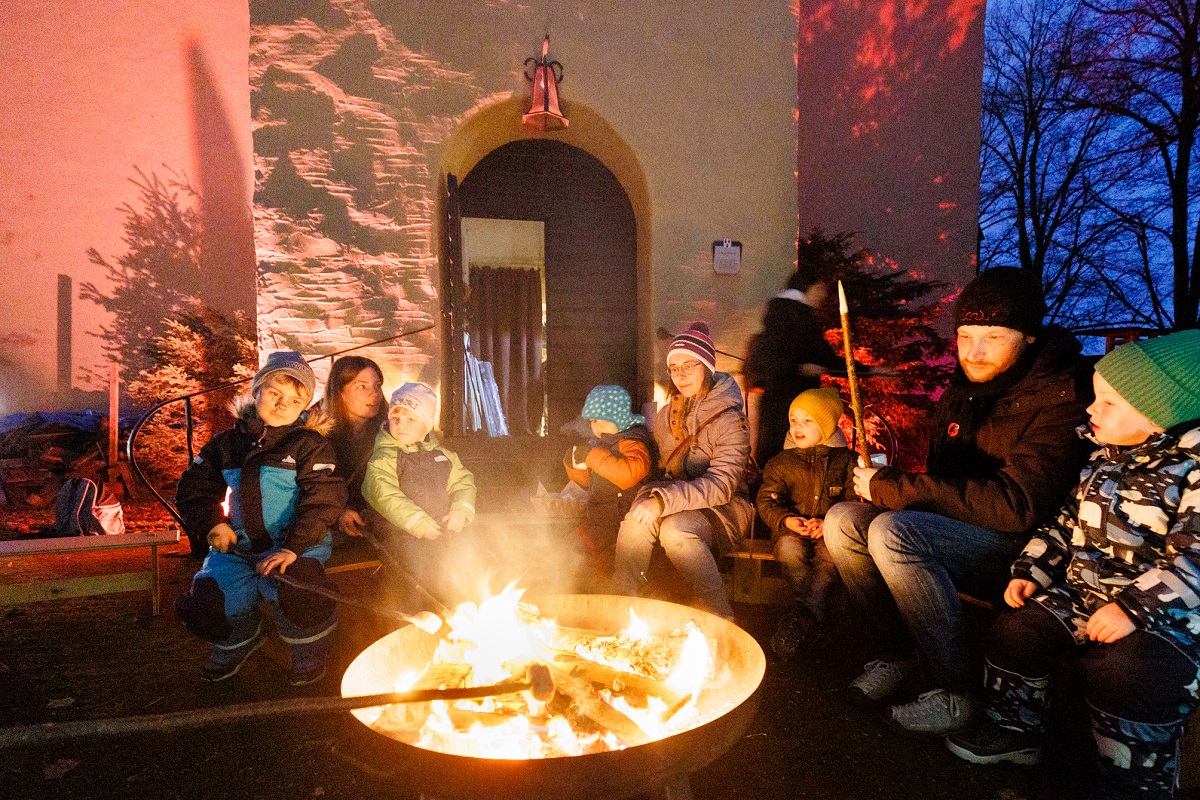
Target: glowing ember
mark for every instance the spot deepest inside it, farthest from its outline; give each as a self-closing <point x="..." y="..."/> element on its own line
<point x="612" y="690"/>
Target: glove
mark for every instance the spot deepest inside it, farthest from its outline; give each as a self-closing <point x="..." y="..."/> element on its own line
<point x="579" y="454"/>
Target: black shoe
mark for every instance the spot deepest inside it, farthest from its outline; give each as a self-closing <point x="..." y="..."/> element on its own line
<point x="987" y="742"/>
<point x="307" y="677"/>
<point x="792" y="631"/>
<point x="224" y="664"/>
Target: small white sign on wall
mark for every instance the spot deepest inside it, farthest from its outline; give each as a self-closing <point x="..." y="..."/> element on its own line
<point x="727" y="257"/>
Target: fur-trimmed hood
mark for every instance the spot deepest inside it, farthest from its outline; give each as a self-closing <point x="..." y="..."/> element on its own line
<point x="314" y="419"/>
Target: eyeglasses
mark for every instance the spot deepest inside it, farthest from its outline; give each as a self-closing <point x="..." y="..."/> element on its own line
<point x="684" y="370"/>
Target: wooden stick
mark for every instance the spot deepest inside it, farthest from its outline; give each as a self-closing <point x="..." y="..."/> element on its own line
<point x="860" y="432"/>
<point x="594" y="708"/>
<point x="54" y="731"/>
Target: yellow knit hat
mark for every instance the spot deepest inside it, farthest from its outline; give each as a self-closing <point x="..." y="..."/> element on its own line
<point x="823" y="405"/>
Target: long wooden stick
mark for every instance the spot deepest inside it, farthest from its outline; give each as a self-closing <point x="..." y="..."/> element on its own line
<point x="223" y="715"/>
<point x="860" y="431"/>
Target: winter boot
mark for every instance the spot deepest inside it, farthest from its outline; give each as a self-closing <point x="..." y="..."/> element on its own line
<point x="229" y="655"/>
<point x="1138" y="757"/>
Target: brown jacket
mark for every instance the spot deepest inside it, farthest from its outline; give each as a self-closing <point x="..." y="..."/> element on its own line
<point x="805" y="482"/>
<point x="1004" y="453"/>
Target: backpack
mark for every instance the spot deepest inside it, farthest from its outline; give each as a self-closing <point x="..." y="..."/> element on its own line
<point x="77" y="512"/>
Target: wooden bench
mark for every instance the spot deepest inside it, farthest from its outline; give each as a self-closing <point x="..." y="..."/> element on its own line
<point x="60" y="588"/>
<point x="754" y="575"/>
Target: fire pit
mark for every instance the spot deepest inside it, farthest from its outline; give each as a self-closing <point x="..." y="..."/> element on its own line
<point x="723" y="708"/>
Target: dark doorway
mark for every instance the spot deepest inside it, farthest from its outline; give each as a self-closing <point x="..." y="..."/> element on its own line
<point x="590" y="261"/>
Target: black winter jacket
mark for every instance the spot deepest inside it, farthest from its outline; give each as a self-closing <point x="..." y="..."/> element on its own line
<point x="1003" y="453"/>
<point x="285" y="492"/>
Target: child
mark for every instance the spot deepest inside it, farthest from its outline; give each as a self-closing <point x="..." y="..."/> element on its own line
<point x="612" y="469"/>
<point x="284" y="498"/>
<point x="1116" y="576"/>
<point x="799" y="486"/>
<point x="419" y="487"/>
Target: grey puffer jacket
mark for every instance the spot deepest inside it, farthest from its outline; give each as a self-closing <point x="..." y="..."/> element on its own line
<point x="710" y="475"/>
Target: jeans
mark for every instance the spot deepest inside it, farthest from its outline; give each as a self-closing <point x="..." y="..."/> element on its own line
<point x="689" y="541"/>
<point x="809" y="571"/>
<point x="903" y="569"/>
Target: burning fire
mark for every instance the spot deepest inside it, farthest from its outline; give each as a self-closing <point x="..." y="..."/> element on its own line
<point x="611" y="690"/>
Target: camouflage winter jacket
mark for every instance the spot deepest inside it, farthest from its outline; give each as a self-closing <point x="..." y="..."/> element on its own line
<point x="1130" y="533"/>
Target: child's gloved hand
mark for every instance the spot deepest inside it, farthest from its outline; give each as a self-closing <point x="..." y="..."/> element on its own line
<point x="351" y="523"/>
<point x="579" y="454"/>
<point x="428" y="529"/>
<point x="455" y="521"/>
<point x="222" y="538"/>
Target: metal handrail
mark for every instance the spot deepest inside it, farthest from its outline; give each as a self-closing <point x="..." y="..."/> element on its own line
<point x="186" y="399"/>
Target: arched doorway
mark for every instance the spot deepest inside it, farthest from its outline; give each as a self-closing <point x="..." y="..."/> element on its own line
<point x="590" y="265"/>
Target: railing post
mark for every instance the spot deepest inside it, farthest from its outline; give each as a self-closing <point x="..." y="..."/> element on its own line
<point x="187" y="417"/>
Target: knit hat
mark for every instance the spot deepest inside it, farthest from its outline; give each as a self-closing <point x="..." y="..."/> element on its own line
<point x="417" y="398"/>
<point x="285" y="362"/>
<point x="696" y="342"/>
<point x="823" y="405"/>
<point x="1159" y="377"/>
<point x="1007" y="297"/>
<point x="610" y="403"/>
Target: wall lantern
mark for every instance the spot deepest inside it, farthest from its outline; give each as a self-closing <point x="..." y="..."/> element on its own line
<point x="544" y="113"/>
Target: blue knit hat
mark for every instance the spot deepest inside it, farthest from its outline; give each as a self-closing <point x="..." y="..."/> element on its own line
<point x="610" y="403"/>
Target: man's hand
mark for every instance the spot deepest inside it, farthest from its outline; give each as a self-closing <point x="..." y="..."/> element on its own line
<point x="455" y="521"/>
<point x="1018" y="591"/>
<point x="222" y="538"/>
<point x="351" y="523"/>
<point x="1109" y="624"/>
<point x="647" y="510"/>
<point x="862" y="481"/>
<point x="280" y="558"/>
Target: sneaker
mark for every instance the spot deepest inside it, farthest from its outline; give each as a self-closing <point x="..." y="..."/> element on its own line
<point x="225" y="663"/>
<point x="879" y="679"/>
<point x="989" y="743"/>
<point x="308" y="676"/>
<point x="936" y="713"/>
<point x="793" y="629"/>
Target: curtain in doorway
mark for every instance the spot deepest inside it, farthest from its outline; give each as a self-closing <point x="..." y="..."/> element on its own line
<point x="505" y="310"/>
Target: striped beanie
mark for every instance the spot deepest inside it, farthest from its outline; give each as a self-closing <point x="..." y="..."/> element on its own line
<point x="1159" y="377"/>
<point x="696" y="342"/>
<point x="610" y="403"/>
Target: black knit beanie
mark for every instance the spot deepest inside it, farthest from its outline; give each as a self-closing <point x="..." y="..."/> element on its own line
<point x="1007" y="297"/>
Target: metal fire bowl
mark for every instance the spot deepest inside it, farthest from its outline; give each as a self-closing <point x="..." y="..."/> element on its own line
<point x="615" y="774"/>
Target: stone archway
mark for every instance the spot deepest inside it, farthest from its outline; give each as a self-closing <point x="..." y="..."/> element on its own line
<point x="496" y="125"/>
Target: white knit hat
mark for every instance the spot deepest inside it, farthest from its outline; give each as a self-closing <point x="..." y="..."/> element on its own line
<point x="417" y="398"/>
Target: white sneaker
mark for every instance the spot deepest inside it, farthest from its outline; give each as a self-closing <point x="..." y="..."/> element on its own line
<point x="879" y="679"/>
<point x="936" y="713"/>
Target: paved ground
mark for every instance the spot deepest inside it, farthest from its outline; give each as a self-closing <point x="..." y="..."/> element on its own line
<point x="105" y="657"/>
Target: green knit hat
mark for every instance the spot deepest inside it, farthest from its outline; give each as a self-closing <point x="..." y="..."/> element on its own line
<point x="1159" y="377"/>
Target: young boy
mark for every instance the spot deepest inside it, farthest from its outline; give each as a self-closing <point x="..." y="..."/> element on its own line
<point x="612" y="469"/>
<point x="284" y="498"/>
<point x="1116" y="576"/>
<point x="422" y="489"/>
<point x="799" y="486"/>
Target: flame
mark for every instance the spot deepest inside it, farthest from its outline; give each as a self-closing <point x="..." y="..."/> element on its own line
<point x="228" y="499"/>
<point x="500" y="637"/>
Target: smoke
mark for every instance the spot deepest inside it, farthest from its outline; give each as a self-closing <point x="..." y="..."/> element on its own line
<point x="543" y="556"/>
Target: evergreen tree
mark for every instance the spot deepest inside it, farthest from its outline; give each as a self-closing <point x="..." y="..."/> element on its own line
<point x="893" y="317"/>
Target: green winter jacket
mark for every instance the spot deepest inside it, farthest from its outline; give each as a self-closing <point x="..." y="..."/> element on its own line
<point x="413" y="486"/>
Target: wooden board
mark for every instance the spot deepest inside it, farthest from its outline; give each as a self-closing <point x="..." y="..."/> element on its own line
<point x="76" y="544"/>
<point x="34" y="591"/>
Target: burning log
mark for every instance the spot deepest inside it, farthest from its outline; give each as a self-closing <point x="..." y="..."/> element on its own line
<point x="411" y="716"/>
<point x="594" y="708"/>
<point x="621" y="682"/>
